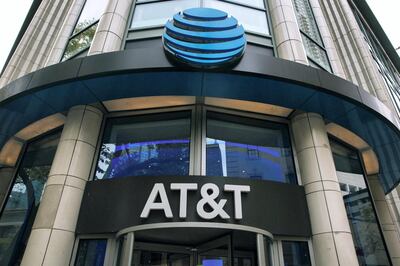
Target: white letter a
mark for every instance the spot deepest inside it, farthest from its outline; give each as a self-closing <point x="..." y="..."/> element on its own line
<point x="152" y="205"/>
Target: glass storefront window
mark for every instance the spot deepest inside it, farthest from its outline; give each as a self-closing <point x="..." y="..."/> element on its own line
<point x="248" y="148"/>
<point x="367" y="237"/>
<point x="145" y="145"/>
<point x="24" y="199"/>
<point x="91" y="252"/>
<point x="296" y="253"/>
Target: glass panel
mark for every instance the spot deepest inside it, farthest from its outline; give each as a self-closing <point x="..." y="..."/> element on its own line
<point x="80" y="42"/>
<point x="91" y="252"/>
<point x="316" y="53"/>
<point x="157" y="14"/>
<point x="296" y="253"/>
<point x="155" y="258"/>
<point x="346" y="160"/>
<point x="255" y="3"/>
<point x="217" y="257"/>
<point x="23" y="201"/>
<point x="364" y="226"/>
<point x="260" y="150"/>
<point x="145" y="145"/>
<point x="252" y="20"/>
<point x="306" y="19"/>
<point x="91" y="12"/>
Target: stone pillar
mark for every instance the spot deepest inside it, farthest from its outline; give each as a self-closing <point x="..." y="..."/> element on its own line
<point x="286" y="31"/>
<point x="53" y="232"/>
<point x="393" y="200"/>
<point x="369" y="67"/>
<point x="33" y="49"/>
<point x="333" y="56"/>
<point x="65" y="32"/>
<point x="111" y="29"/>
<point x="331" y="235"/>
<point x="389" y="228"/>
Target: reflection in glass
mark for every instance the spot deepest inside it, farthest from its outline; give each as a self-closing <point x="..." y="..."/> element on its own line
<point x="364" y="226"/>
<point x="253" y="3"/>
<point x="80" y="42"/>
<point x="306" y="19"/>
<point x="91" y="12"/>
<point x="155" y="258"/>
<point x="260" y="151"/>
<point x="157" y="14"/>
<point x="295" y="253"/>
<point x="145" y="145"/>
<point x="22" y="203"/>
<point x="315" y="52"/>
<point x="253" y="20"/>
<point x="91" y="252"/>
<point x="310" y="34"/>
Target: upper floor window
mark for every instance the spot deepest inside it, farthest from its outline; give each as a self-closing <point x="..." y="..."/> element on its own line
<point x="167" y="143"/>
<point x="312" y="40"/>
<point x="150" y="16"/>
<point x="82" y="36"/>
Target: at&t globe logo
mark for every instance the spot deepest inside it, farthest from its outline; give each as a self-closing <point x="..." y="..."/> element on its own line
<point x="204" y="37"/>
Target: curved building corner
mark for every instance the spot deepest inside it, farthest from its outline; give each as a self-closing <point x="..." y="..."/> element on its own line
<point x="200" y="132"/>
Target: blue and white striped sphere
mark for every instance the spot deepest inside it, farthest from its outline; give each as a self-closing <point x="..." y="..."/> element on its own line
<point x="204" y="37"/>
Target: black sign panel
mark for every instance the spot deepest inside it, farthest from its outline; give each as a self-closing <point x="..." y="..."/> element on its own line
<point x="109" y="206"/>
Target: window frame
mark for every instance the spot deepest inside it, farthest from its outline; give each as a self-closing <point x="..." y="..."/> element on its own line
<point x="21" y="156"/>
<point x="364" y="174"/>
<point x="320" y="45"/>
<point x="73" y="35"/>
<point x="153" y="32"/>
<point x="20" y="160"/>
<point x="278" y="259"/>
<point x="198" y="124"/>
<point x="241" y="114"/>
<point x="110" y="257"/>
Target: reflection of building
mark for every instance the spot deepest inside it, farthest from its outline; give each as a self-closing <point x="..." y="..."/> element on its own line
<point x="362" y="220"/>
<point x="114" y="151"/>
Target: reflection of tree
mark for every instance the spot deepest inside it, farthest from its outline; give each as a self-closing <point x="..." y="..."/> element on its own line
<point x="82" y="40"/>
<point x="366" y="234"/>
<point x="148" y="159"/>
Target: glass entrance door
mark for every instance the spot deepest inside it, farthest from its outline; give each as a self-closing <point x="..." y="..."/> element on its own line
<point x="220" y="251"/>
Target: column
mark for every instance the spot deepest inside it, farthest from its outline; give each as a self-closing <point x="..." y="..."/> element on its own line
<point x="331" y="235"/>
<point x="368" y="67"/>
<point x="389" y="229"/>
<point x="65" y="32"/>
<point x="33" y="49"/>
<point x="393" y="200"/>
<point x="288" y="40"/>
<point x="112" y="26"/>
<point x="53" y="232"/>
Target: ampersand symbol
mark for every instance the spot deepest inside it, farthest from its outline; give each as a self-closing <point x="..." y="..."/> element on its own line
<point x="218" y="208"/>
